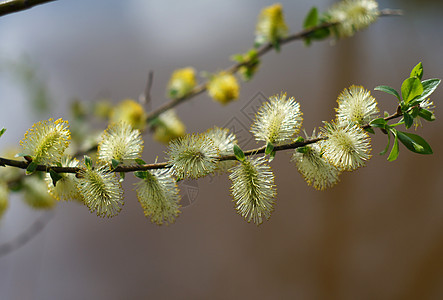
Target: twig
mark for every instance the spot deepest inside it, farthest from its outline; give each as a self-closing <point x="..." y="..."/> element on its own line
<point x="126" y="169"/>
<point x="162" y="165"/>
<point x="12" y="6"/>
<point x="36" y="227"/>
<point x="260" y="52"/>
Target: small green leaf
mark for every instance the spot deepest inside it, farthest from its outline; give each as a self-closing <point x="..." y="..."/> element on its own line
<point x="311" y="19"/>
<point x="394" y="152"/>
<point x="276" y="45"/>
<point x="2" y="131"/>
<point x="369" y="129"/>
<point x="411" y="88"/>
<point x="141" y="174"/>
<point x="114" y="163"/>
<point x="269" y="148"/>
<point x="417" y="71"/>
<point x="31" y="168"/>
<point x="387" y="146"/>
<point x="173" y="93"/>
<point x="389" y="90"/>
<point x="426" y="114"/>
<point x="271" y="156"/>
<point x="252" y="53"/>
<point x="156" y="121"/>
<point x="21" y="154"/>
<point x="88" y="161"/>
<point x="122" y="176"/>
<point x="140" y="161"/>
<point x="299" y="139"/>
<point x="303" y="149"/>
<point x="237" y="58"/>
<point x="414" y="143"/>
<point x="239" y="154"/>
<point x="320" y="33"/>
<point x="415" y="110"/>
<point x="386" y="114"/>
<point x="379" y="123"/>
<point x="409" y="120"/>
<point x="55" y="176"/>
<point x="429" y="87"/>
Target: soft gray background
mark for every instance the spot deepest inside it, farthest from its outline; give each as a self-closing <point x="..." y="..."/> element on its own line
<point x="377" y="235"/>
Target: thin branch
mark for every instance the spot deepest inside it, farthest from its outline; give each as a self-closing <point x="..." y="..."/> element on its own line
<point x="32" y="231"/>
<point x="12" y="6"/>
<point x="145" y="98"/>
<point x="199" y="89"/>
<point x="126" y="169"/>
<point x="162" y="165"/>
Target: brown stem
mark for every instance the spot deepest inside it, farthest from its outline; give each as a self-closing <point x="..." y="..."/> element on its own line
<point x="162" y="165"/>
<point x="126" y="169"/>
<point x="260" y="52"/>
<point x="12" y="6"/>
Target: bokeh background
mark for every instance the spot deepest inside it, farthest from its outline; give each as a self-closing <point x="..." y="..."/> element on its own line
<point x="376" y="235"/>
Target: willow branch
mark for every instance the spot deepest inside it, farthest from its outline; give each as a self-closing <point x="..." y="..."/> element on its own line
<point x="126" y="169"/>
<point x="145" y="167"/>
<point x="12" y="6"/>
<point x="201" y="88"/>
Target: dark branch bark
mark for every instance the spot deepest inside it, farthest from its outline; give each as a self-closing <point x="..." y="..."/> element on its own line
<point x="12" y="6"/>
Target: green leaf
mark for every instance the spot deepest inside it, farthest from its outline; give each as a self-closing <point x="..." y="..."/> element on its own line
<point x="409" y="120"/>
<point x="389" y="90"/>
<point x="299" y="139"/>
<point x="429" y="87"/>
<point x="122" y="176"/>
<point x="303" y="149"/>
<point x="414" y="143"/>
<point x="311" y="19"/>
<point x="21" y="154"/>
<point x="55" y="176"/>
<point x="114" y="163"/>
<point x="320" y="33"/>
<point x="271" y="156"/>
<point x="141" y="174"/>
<point x="411" y="88"/>
<point x="239" y="154"/>
<point x="156" y="121"/>
<point x="140" y="161"/>
<point x="31" y="168"/>
<point x="2" y="131"/>
<point x="369" y="129"/>
<point x="417" y="71"/>
<point x="426" y="114"/>
<point x="394" y="152"/>
<point x="387" y="146"/>
<point x="379" y="123"/>
<point x="415" y="110"/>
<point x="276" y="45"/>
<point x="269" y="148"/>
<point x="237" y="58"/>
<point x="252" y="53"/>
<point x="88" y="161"/>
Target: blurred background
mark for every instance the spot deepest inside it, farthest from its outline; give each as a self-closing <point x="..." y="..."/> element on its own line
<point x="378" y="234"/>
